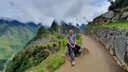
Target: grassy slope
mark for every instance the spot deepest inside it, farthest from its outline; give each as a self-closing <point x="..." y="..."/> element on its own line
<point x="13" y="40"/>
<point x="119" y="23"/>
<point x="55" y="60"/>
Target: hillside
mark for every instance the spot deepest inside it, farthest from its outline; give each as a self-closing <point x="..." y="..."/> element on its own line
<point x="13" y="36"/>
<point x="117" y="11"/>
<point x="111" y="30"/>
<point x="48" y="45"/>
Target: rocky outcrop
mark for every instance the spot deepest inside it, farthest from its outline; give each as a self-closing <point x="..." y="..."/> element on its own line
<point x="118" y="10"/>
<point x="63" y="27"/>
<point x="111" y="16"/>
<point x="118" y="4"/>
<point x="124" y="15"/>
<point x="115" y="40"/>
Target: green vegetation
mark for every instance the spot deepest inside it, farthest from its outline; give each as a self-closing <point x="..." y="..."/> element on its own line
<point x="45" y="52"/>
<point x="55" y="60"/>
<point x="79" y="39"/>
<point x="10" y="43"/>
<point x="34" y="53"/>
<point x="119" y="23"/>
<point x="52" y="63"/>
<point x="120" y="4"/>
<point x="13" y="36"/>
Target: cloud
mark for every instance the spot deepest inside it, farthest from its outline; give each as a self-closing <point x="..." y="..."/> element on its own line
<point x="46" y="10"/>
<point x="75" y="9"/>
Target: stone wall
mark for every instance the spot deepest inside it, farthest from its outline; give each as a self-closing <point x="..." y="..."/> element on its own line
<point x="115" y="40"/>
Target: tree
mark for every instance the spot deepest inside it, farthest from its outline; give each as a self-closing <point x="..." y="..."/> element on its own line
<point x="111" y="1"/>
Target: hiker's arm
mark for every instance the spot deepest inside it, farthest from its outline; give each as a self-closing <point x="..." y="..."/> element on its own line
<point x="74" y="44"/>
<point x="69" y="43"/>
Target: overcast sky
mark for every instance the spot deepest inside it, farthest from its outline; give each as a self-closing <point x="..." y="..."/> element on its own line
<point x="45" y="11"/>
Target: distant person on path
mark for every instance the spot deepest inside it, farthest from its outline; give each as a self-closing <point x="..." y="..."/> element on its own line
<point x="72" y="46"/>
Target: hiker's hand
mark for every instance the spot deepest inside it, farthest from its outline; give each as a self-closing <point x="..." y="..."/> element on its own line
<point x="73" y="46"/>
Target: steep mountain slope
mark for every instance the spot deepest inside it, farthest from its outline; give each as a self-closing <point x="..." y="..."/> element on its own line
<point x="118" y="10"/>
<point x="119" y="4"/>
<point x="48" y="42"/>
<point x="13" y="36"/>
<point x="63" y="27"/>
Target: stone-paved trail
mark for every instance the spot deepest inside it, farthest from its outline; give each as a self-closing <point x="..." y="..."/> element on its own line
<point x="97" y="60"/>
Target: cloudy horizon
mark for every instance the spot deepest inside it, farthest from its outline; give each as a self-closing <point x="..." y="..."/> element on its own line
<point x="45" y="11"/>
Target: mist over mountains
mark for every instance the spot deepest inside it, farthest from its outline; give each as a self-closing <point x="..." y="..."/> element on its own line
<point x="45" y="11"/>
<point x="14" y="35"/>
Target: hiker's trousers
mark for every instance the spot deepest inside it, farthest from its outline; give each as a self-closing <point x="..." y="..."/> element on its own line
<point x="73" y="51"/>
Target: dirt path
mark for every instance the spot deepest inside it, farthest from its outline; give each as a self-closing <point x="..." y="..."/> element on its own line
<point x="98" y="59"/>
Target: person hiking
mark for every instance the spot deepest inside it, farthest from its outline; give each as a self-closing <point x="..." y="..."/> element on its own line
<point x="72" y="46"/>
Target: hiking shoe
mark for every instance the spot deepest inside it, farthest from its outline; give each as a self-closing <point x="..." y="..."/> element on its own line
<point x="73" y="62"/>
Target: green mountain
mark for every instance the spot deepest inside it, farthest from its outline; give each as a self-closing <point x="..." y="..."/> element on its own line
<point x="13" y="36"/>
<point x="48" y="45"/>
